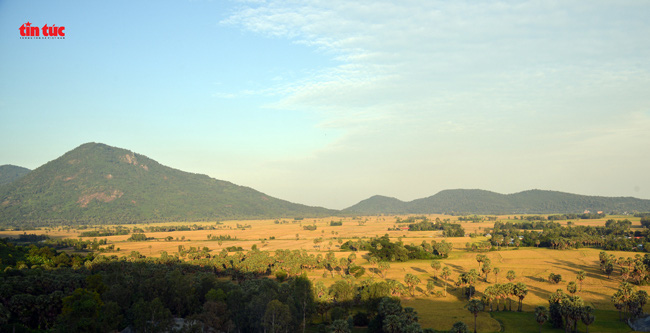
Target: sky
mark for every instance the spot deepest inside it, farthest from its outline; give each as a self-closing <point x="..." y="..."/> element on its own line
<point x="327" y="103"/>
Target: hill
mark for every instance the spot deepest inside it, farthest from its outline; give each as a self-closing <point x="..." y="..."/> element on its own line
<point x="9" y="173"/>
<point x="463" y="201"/>
<point x="96" y="183"/>
<point x="379" y="205"/>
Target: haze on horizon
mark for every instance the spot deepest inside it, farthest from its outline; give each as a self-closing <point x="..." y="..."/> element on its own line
<point x="330" y="102"/>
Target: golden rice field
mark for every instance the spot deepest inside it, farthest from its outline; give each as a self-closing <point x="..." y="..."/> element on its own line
<point x="531" y="265"/>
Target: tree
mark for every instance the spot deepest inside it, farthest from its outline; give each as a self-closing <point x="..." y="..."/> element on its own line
<point x="554" y="305"/>
<point x="446" y="273"/>
<point x="541" y="315"/>
<point x="588" y="317"/>
<point x="341" y="291"/>
<point x="436" y="267"/>
<point x="496" y="271"/>
<point x="581" y="277"/>
<point x="508" y="289"/>
<point x="475" y="306"/>
<point x="572" y="287"/>
<point x="458" y="327"/>
<point x="490" y="294"/>
<point x="277" y="317"/>
<point x="480" y="258"/>
<point x="487" y="268"/>
<point x="555" y="278"/>
<point x="303" y="299"/>
<point x="609" y="268"/>
<point x="339" y="326"/>
<point x="215" y="316"/>
<point x="80" y="311"/>
<point x="5" y="315"/>
<point x="411" y="281"/>
<point x="383" y="266"/>
<point x="151" y="316"/>
<point x="520" y="290"/>
<point x="431" y="286"/>
<point x="511" y="275"/>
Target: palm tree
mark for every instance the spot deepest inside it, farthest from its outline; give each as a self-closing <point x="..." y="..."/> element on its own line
<point x="571" y="287"/>
<point x="446" y="273"/>
<point x="489" y="294"/>
<point x="541" y="315"/>
<point x="480" y="258"/>
<point x="487" y="268"/>
<point x="588" y="316"/>
<point x="475" y="306"/>
<point x="431" y="286"/>
<point x="581" y="277"/>
<point x="436" y="267"/>
<point x="520" y="291"/>
<point x="496" y="271"/>
<point x="508" y="289"/>
<point x="511" y="275"/>
<point x="411" y="281"/>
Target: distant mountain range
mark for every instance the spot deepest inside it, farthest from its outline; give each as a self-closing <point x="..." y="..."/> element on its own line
<point x="96" y="183"/>
<point x="486" y="202"/>
<point x="9" y="173"/>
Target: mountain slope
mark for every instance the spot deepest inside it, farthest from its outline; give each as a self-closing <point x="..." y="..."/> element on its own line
<point x="379" y="205"/>
<point x="9" y="173"/>
<point x="96" y="183"/>
<point x="485" y="202"/>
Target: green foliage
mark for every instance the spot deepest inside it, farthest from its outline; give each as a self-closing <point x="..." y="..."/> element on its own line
<point x="137" y="238"/>
<point x="80" y="312"/>
<point x="449" y="229"/>
<point x="9" y="173"/>
<point x="555" y="278"/>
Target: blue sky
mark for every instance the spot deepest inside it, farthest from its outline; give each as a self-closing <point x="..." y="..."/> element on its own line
<point x="329" y="102"/>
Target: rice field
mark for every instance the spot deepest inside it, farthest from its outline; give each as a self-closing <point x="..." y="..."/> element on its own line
<point x="531" y="265"/>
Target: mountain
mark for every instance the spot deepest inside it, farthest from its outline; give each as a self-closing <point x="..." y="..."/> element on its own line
<point x="462" y="201"/>
<point x="96" y="183"/>
<point x="9" y="173"/>
<point x="379" y="205"/>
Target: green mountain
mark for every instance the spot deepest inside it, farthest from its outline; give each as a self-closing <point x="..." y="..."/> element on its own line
<point x="96" y="183"/>
<point x="485" y="202"/>
<point x="379" y="204"/>
<point x="9" y="173"/>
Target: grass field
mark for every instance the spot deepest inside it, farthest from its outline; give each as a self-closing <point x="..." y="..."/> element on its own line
<point x="531" y="265"/>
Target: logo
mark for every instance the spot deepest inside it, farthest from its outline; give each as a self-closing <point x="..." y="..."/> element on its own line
<point x="51" y="32"/>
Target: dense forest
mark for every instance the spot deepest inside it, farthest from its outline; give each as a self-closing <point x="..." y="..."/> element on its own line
<point x="43" y="289"/>
<point x="10" y="173"/>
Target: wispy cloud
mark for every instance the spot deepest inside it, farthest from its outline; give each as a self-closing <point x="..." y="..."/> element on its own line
<point x="485" y="78"/>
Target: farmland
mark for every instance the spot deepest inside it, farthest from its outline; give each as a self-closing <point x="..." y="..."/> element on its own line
<point x="320" y="236"/>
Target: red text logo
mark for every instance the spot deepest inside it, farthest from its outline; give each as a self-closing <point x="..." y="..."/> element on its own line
<point x="27" y="31"/>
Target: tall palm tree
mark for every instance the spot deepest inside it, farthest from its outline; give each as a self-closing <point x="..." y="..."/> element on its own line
<point x="475" y="306"/>
<point x="520" y="291"/>
<point x="446" y="273"/>
<point x="588" y="317"/>
<point x="541" y="315"/>
<point x="496" y="271"/>
<point x="581" y="277"/>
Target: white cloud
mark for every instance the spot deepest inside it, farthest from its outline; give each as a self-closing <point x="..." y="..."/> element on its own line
<point x="468" y="81"/>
